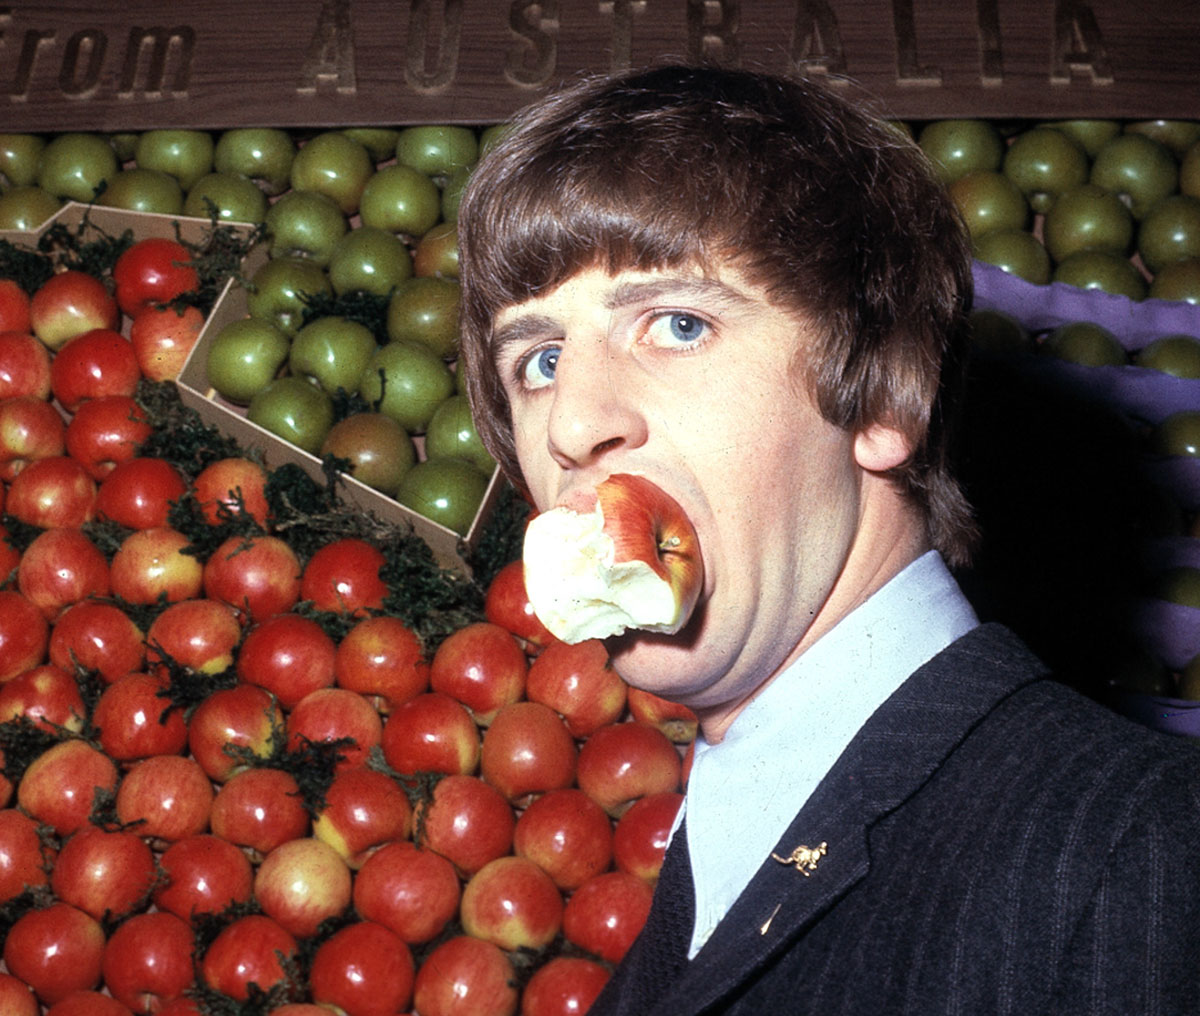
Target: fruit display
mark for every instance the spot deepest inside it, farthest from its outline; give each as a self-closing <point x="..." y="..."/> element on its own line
<point x="264" y="749"/>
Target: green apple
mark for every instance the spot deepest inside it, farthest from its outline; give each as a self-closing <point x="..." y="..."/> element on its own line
<point x="76" y="165"/>
<point x="295" y="410"/>
<point x="436" y="252"/>
<point x="333" y="164"/>
<point x="19" y="158"/>
<point x="334" y="351"/>
<point x="1180" y="280"/>
<point x="304" y="223"/>
<point x="1138" y="168"/>
<point x="989" y="202"/>
<point x="437" y="151"/>
<point x="378" y="448"/>
<point x="26" y="208"/>
<point x="490" y="136"/>
<point x="138" y="189"/>
<point x="452" y="192"/>
<point x="124" y="144"/>
<point x="280" y="289"/>
<point x="264" y="154"/>
<point x="235" y="198"/>
<point x="379" y="141"/>
<point x="1177" y="355"/>
<point x="999" y="332"/>
<point x="1087" y="217"/>
<point x="1103" y="270"/>
<point x="1086" y="343"/>
<point x="1170" y="231"/>
<point x="244" y="357"/>
<point x="452" y="435"/>
<point x="400" y="199"/>
<point x="369" y="260"/>
<point x="1090" y="134"/>
<point x="186" y="154"/>
<point x="1178" y="434"/>
<point x="407" y="381"/>
<point x="1018" y="252"/>
<point x="959" y="147"/>
<point x="1044" y="163"/>
<point x="446" y="491"/>
<point x="1176" y="135"/>
<point x="425" y="310"/>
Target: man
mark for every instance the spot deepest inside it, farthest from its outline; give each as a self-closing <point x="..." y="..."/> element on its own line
<point x="752" y="293"/>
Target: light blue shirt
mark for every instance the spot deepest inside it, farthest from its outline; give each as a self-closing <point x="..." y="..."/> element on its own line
<point x="744" y="792"/>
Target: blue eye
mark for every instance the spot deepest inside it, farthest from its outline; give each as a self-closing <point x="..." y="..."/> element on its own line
<point x="685" y="327"/>
<point x="538" y="370"/>
<point x="677" y="329"/>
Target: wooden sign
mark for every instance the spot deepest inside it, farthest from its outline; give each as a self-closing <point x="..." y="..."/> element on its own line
<point x="137" y="64"/>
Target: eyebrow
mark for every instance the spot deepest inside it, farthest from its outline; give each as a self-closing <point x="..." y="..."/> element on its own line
<point x="526" y="327"/>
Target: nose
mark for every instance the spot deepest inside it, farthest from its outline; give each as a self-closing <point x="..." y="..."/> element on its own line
<point x="596" y="410"/>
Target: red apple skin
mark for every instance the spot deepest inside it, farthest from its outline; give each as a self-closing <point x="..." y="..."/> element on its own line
<point x="95" y="364"/>
<point x="527" y="750"/>
<point x="466" y="974"/>
<point x="364" y="969"/>
<point x="162" y="338"/>
<point x="364" y="810"/>
<point x="431" y="733"/>
<point x="382" y="659"/>
<point x="31" y="429"/>
<point x="54" y="492"/>
<point x="106" y="431"/>
<point x="245" y="716"/>
<point x="16" y="997"/>
<point x="203" y="874"/>
<point x="148" y="961"/>
<point x="331" y="714"/>
<point x="289" y="655"/>
<point x="105" y="874"/>
<point x="24" y="365"/>
<point x="233" y="484"/>
<point x="61" y="567"/>
<point x="564" y="986"/>
<point x="512" y="903"/>
<point x="507" y="604"/>
<point x="69" y="304"/>
<point x="677" y="721"/>
<point x="567" y="834"/>
<point x="200" y="634"/>
<point x="640" y="838"/>
<point x="482" y="666"/>
<point x="624" y="761"/>
<point x="412" y="891"/>
<point x="168" y="796"/>
<point x="46" y="695"/>
<point x="259" y="809"/>
<point x="343" y="578"/>
<point x="151" y="565"/>
<point x="302" y="883"/>
<point x="24" y="634"/>
<point x="578" y="682"/>
<point x="138" y="493"/>
<point x="250" y="950"/>
<point x="135" y="721"/>
<point x="467" y="821"/>
<point x="88" y="1003"/>
<point x="259" y="576"/>
<point x="59" y="786"/>
<point x="606" y="913"/>
<point x="97" y="636"/>
<point x="24" y="858"/>
<point x="56" y="950"/>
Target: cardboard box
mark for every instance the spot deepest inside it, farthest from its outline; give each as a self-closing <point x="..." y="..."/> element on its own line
<point x="449" y="548"/>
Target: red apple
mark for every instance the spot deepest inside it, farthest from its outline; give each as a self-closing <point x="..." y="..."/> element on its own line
<point x="69" y="304"/>
<point x="97" y="636"/>
<point x="105" y="431"/>
<point x="151" y="566"/>
<point x="343" y="578"/>
<point x="148" y="961"/>
<point x="30" y="429"/>
<point x="203" y="874"/>
<point x="165" y="798"/>
<point x="335" y="714"/>
<point x="25" y="859"/>
<point x="54" y="492"/>
<point x="60" y="785"/>
<point x="61" y="567"/>
<point x="622" y="556"/>
<point x="364" y="809"/>
<point x="153" y="271"/>
<point x="105" y="874"/>
<point x="467" y="821"/>
<point x="135" y="720"/>
<point x="526" y="751"/>
<point x="257" y="575"/>
<point x="413" y="892"/>
<point x="24" y="364"/>
<point x="302" y="883"/>
<point x="567" y="834"/>
<point x="16" y="997"/>
<point x="138" y="494"/>
<point x="14" y="305"/>
<point x="563" y="986"/>
<point x="162" y="338"/>
<point x="507" y="604"/>
<point x="466" y="975"/>
<point x="677" y="721"/>
<point x="250" y="950"/>
<point x="606" y="913"/>
<point x="512" y="903"/>
<point x="482" y="666"/>
<point x="24" y="633"/>
<point x="289" y="655"/>
<point x="382" y="659"/>
<point x="640" y="838"/>
<point x="47" y="696"/>
<point x="431" y="733"/>
<point x="363" y="969"/>
<point x="97" y="363"/>
<point x="259" y="809"/>
<point x="232" y="485"/>
<point x="624" y="761"/>
<point x="577" y="680"/>
<point x="56" y="950"/>
<point x="200" y="634"/>
<point x="245" y="717"/>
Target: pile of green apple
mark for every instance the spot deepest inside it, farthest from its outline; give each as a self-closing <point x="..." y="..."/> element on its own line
<point x="1099" y="204"/>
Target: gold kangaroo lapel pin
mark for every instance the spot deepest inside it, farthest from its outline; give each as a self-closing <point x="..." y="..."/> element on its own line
<point x="804" y="858"/>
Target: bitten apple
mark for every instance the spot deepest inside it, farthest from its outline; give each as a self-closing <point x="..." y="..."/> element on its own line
<point x="629" y="559"/>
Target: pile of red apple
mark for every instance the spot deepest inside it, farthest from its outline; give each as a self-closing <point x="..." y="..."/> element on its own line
<point x="235" y="779"/>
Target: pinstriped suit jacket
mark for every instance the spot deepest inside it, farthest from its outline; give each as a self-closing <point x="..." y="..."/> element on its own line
<point x="996" y="845"/>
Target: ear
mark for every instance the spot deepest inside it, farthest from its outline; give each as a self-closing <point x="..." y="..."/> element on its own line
<point x="878" y="448"/>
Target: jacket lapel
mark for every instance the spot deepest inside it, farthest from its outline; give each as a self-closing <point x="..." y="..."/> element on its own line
<point x="825" y="849"/>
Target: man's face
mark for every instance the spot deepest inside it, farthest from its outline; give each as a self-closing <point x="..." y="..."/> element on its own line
<point x="688" y="378"/>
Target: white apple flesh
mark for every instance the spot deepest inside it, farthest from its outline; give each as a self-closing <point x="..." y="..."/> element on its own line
<point x="630" y="562"/>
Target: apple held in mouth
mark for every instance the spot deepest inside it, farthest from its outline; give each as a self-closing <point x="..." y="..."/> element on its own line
<point x="631" y="560"/>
